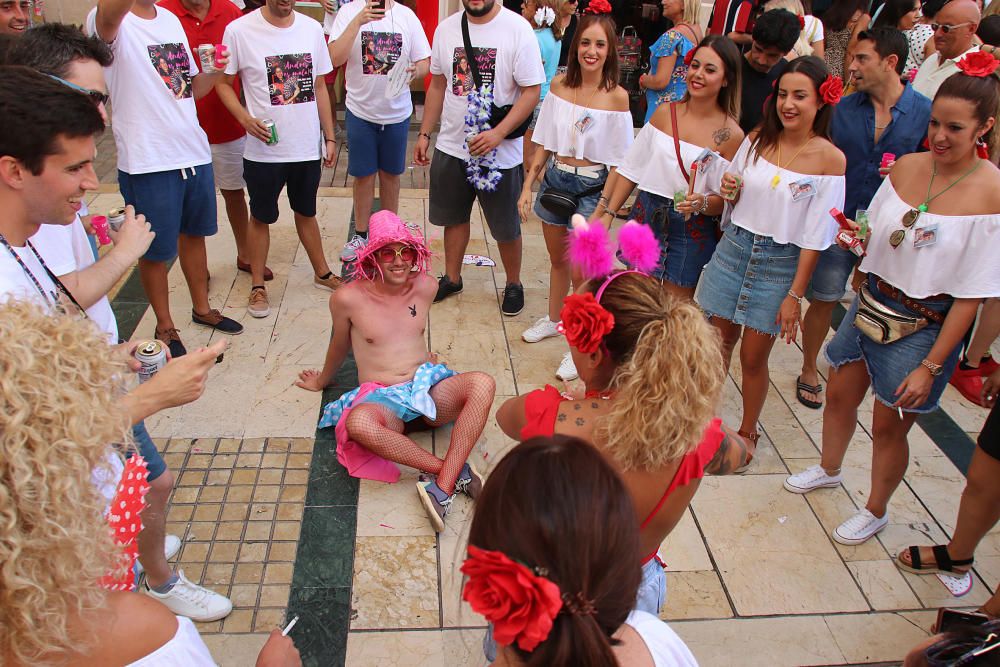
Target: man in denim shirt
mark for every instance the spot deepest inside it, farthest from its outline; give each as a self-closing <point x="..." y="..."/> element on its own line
<point x="884" y="116"/>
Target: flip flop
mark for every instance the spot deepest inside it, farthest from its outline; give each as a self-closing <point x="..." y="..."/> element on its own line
<point x="801" y="387"/>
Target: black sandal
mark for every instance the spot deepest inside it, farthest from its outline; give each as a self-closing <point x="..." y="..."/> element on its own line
<point x="942" y="562"/>
<point x="801" y="387"/>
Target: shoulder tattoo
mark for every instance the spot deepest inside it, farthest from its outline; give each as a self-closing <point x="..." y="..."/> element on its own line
<point x="721" y="135"/>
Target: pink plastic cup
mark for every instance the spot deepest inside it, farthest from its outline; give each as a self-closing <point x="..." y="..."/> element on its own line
<point x="220" y="50"/>
<point x="100" y="225"/>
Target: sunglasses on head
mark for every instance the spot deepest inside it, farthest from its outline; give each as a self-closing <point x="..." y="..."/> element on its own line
<point x="387" y="254"/>
<point x="945" y="28"/>
<point x="97" y="96"/>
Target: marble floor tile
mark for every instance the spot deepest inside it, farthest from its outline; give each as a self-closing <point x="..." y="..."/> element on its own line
<point x="476" y="350"/>
<point x="235" y="650"/>
<point x="416" y="649"/>
<point x="395" y="583"/>
<point x="753" y="520"/>
<point x="866" y="638"/>
<point x="453" y="544"/>
<point x="939" y="485"/>
<point x="684" y="549"/>
<point x="695" y="595"/>
<point x="392" y="509"/>
<point x="883" y="584"/>
<point x="279" y="401"/>
<point x="833" y="507"/>
<point x="762" y="642"/>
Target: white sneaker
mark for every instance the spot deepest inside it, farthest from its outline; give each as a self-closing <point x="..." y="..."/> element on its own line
<point x="171" y="545"/>
<point x="567" y="369"/>
<point x="860" y="527"/>
<point x="813" y="477"/>
<point x="191" y="600"/>
<point x="351" y="248"/>
<point x="540" y="330"/>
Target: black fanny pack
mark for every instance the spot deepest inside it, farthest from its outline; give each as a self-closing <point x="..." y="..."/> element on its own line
<point x="564" y="204"/>
<point x="497" y="113"/>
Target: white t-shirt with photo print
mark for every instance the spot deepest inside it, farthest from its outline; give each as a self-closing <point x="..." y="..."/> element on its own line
<point x="155" y="122"/>
<point x="377" y="46"/>
<point x="508" y="57"/>
<point x="278" y="69"/>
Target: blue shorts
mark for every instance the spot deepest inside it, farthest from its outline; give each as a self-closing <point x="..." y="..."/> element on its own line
<point x="686" y="246"/>
<point x="748" y="278"/>
<point x="889" y="363"/>
<point x="571" y="183"/>
<point x="834" y="268"/>
<point x="374" y="147"/>
<point x="179" y="201"/>
<point x="653" y="588"/>
<point x="147" y="450"/>
<point x="265" y="180"/>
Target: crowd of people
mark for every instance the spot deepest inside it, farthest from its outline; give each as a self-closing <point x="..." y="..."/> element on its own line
<point x="786" y="156"/>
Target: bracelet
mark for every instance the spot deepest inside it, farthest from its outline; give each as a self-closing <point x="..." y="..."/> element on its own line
<point x="935" y="369"/>
<point x="798" y="299"/>
<point x="604" y="199"/>
<point x="704" y="206"/>
<point x="328" y="139"/>
<point x="424" y="134"/>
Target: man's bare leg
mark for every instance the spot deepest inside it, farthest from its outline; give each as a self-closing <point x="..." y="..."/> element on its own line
<point x="194" y="266"/>
<point x="456" y="241"/>
<point x="388" y="191"/>
<point x="308" y="231"/>
<point x="239" y="220"/>
<point x="510" y="259"/>
<point x="364" y="198"/>
<point x="153" y="275"/>
<point x="380" y="431"/>
<point x="464" y="399"/>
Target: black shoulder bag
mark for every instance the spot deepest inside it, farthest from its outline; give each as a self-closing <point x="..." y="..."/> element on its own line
<point x="497" y="114"/>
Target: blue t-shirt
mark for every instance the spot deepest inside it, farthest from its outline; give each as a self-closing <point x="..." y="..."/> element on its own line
<point x="550" y="48"/>
<point x="672" y="42"/>
<point x="853" y="128"/>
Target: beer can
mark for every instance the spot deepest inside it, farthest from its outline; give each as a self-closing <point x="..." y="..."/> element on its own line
<point x="272" y="129"/>
<point x="206" y="54"/>
<point x="152" y="356"/>
<point x="116" y="217"/>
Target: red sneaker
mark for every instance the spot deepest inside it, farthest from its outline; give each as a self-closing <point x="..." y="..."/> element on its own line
<point x="988" y="367"/>
<point x="969" y="383"/>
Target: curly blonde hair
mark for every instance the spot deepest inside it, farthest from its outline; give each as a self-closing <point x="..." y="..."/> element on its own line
<point x="59" y="389"/>
<point x="668" y="377"/>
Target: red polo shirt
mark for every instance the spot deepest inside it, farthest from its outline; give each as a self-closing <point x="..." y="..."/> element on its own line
<point x="215" y="119"/>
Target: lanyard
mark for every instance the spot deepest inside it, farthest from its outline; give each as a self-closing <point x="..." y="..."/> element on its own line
<point x="54" y="301"/>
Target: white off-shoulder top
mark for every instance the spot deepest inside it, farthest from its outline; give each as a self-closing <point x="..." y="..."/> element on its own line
<point x="185" y="648"/>
<point x="961" y="262"/>
<point x="772" y="211"/>
<point x="571" y="130"/>
<point x="651" y="164"/>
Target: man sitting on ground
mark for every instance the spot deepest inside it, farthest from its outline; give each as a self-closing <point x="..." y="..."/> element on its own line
<point x="382" y="317"/>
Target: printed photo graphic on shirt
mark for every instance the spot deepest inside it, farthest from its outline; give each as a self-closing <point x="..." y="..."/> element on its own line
<point x="172" y="66"/>
<point x="925" y="236"/>
<point x="461" y="77"/>
<point x="705" y="158"/>
<point x="290" y="78"/>
<point x="379" y="51"/>
<point x="802" y="189"/>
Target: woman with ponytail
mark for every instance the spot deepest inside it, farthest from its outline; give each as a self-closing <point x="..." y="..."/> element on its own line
<point x="557" y="586"/>
<point x="652" y="367"/>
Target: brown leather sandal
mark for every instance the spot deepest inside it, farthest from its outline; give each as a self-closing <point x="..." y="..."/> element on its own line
<point x="752" y="437"/>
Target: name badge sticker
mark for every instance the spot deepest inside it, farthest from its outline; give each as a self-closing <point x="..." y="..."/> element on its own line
<point x="584" y="122"/>
<point x="705" y="158"/>
<point x="803" y="189"/>
<point x="925" y="236"/>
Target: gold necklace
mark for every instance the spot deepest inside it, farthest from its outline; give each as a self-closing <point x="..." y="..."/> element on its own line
<point x="777" y="174"/>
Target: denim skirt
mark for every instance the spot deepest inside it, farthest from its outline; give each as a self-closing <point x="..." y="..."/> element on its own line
<point x="748" y="278"/>
<point x="653" y="587"/>
<point x="889" y="363"/>
<point x="686" y="246"/>
<point x="572" y="184"/>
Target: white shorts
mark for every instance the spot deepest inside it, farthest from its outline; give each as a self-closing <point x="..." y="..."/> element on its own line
<point x="227" y="162"/>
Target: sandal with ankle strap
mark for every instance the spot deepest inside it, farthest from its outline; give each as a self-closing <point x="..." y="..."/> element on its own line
<point x="943" y="563"/>
<point x="752" y="437"/>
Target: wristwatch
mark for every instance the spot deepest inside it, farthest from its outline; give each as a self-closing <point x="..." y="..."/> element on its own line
<point x="935" y="369"/>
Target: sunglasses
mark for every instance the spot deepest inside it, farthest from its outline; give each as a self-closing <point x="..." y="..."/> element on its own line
<point x="945" y="28"/>
<point x="97" y="96"/>
<point x="387" y="254"/>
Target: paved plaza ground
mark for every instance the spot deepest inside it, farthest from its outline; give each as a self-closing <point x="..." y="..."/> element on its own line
<point x="269" y="517"/>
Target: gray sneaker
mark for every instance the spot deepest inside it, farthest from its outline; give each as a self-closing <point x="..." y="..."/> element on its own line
<point x="470" y="482"/>
<point x="352" y="247"/>
<point x="436" y="503"/>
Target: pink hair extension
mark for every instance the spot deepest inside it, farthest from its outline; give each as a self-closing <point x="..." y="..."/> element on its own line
<point x="639" y="246"/>
<point x="589" y="249"/>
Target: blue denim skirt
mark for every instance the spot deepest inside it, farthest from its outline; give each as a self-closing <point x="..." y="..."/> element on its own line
<point x="889" y="364"/>
<point x="748" y="278"/>
<point x="571" y="183"/>
<point x="653" y="588"/>
<point x="686" y="246"/>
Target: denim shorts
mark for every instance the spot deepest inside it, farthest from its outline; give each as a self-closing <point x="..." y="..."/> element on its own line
<point x="686" y="246"/>
<point x="829" y="279"/>
<point x="179" y="201"/>
<point x="147" y="450"/>
<point x="748" y="278"/>
<point x="571" y="183"/>
<point x="653" y="588"/>
<point x="265" y="180"/>
<point x="375" y="147"/>
<point x="889" y="364"/>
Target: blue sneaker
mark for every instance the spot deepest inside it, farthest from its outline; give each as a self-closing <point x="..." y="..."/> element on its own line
<point x="436" y="503"/>
<point x="470" y="482"/>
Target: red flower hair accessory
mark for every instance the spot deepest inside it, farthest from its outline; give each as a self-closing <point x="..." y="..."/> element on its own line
<point x="598" y="7"/>
<point x="519" y="603"/>
<point x="585" y="322"/>
<point x="978" y="63"/>
<point x="689" y="57"/>
<point x="832" y="89"/>
<point x="802" y="22"/>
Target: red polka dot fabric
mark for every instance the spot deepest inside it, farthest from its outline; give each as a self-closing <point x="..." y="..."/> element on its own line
<point x="123" y="518"/>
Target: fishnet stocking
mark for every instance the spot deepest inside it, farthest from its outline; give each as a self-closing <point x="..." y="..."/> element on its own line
<point x="464" y="399"/>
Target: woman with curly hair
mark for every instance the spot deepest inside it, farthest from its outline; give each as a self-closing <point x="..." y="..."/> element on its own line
<point x="653" y="379"/>
<point x="556" y="585"/>
<point x="58" y="411"/>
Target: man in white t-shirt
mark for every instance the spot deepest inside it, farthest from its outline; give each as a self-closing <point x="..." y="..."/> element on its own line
<point x="15" y="16"/>
<point x="372" y="42"/>
<point x="281" y="57"/>
<point x="47" y="150"/>
<point x="954" y="37"/>
<point x="508" y="58"/>
<point x="164" y="161"/>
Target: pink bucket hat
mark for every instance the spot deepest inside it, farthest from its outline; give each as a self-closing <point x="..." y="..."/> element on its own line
<point x="386" y="228"/>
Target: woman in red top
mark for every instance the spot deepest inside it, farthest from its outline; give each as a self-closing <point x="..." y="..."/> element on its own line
<point x="651" y="366"/>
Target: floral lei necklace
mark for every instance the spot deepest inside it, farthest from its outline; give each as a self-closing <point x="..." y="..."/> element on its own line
<point x="482" y="171"/>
